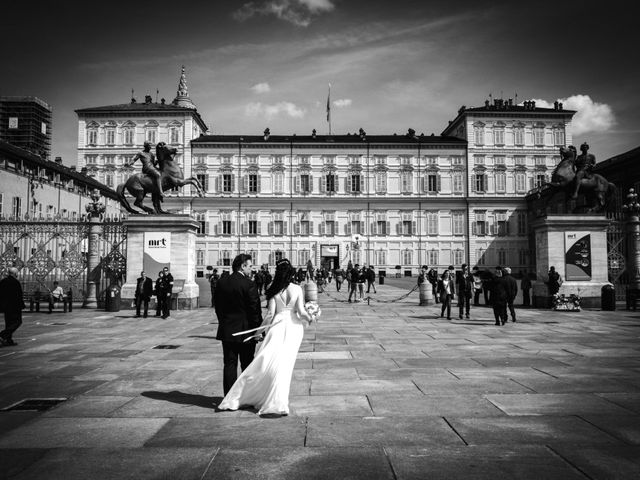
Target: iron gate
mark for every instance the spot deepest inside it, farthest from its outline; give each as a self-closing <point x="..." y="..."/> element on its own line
<point x="48" y="250"/>
<point x="616" y="256"/>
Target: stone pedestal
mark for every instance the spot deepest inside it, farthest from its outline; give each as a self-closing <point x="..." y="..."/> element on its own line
<point x="181" y="231"/>
<point x="552" y="235"/>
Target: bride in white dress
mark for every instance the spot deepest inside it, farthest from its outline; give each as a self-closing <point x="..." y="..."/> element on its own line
<point x="265" y="383"/>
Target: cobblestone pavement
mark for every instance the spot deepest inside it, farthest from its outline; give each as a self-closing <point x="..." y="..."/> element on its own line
<point x="380" y="391"/>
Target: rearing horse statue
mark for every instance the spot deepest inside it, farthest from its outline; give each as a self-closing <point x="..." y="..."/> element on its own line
<point x="595" y="187"/>
<point x="139" y="185"/>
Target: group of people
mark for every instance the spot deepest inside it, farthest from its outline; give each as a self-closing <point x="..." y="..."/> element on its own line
<point x="162" y="290"/>
<point x="500" y="290"/>
<point x="266" y="375"/>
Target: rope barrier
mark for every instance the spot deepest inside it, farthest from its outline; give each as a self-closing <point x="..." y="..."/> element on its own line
<point x="369" y="298"/>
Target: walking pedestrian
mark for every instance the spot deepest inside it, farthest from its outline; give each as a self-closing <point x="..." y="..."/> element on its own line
<point x="11" y="303"/>
<point x="362" y="278"/>
<point x="432" y="276"/>
<point x="339" y="276"/>
<point x="512" y="291"/>
<point x="525" y="285"/>
<point x="464" y="286"/>
<point x="499" y="297"/>
<point x="352" y="278"/>
<point x="446" y="290"/>
<point x="259" y="279"/>
<point x="477" y="286"/>
<point x="371" y="279"/>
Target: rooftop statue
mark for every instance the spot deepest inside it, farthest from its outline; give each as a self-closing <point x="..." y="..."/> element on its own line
<point x="574" y="175"/>
<point x="159" y="174"/>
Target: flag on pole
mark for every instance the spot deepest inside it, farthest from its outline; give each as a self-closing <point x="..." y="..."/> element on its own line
<point x="329" y="105"/>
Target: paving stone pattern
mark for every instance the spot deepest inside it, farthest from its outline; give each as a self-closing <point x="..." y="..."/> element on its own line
<point x="385" y="390"/>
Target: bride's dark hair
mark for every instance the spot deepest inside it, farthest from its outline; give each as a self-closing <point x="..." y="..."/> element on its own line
<point x="283" y="277"/>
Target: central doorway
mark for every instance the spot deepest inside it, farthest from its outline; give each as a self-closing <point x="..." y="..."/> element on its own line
<point x="329" y="256"/>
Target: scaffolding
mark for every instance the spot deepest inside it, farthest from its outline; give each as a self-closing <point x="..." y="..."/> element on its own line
<point x="26" y="123"/>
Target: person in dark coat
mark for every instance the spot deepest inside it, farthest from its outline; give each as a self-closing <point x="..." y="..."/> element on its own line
<point x="159" y="286"/>
<point x="11" y="303"/>
<point x="213" y="283"/>
<point x="499" y="297"/>
<point x="464" y="286"/>
<point x="371" y="279"/>
<point x="166" y="291"/>
<point x="432" y="276"/>
<point x="144" y="290"/>
<point x="238" y="309"/>
<point x="525" y="285"/>
<point x="555" y="280"/>
<point x="512" y="291"/>
<point x="339" y="275"/>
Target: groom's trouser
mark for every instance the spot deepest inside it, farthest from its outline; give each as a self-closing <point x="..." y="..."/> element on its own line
<point x="231" y="351"/>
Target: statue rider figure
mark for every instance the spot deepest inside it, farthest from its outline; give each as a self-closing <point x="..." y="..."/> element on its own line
<point x="584" y="165"/>
<point x="149" y="166"/>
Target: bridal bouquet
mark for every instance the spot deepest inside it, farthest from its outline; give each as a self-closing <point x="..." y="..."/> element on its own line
<point x="313" y="310"/>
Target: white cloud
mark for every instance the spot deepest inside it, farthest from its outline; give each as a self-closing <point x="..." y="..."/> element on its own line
<point x="342" y="102"/>
<point x="590" y="116"/>
<point x="297" y="12"/>
<point x="261" y="88"/>
<point x="258" y="109"/>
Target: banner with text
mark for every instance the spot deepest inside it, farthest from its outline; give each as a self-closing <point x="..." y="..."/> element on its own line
<point x="157" y="252"/>
<point x="577" y="248"/>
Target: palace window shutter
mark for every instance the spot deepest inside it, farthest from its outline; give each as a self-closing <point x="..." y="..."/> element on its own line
<point x="233" y="227"/>
<point x="387" y="228"/>
<point x="245" y="183"/>
<point x="310" y="183"/>
<point x="259" y="227"/>
<point x="474" y="228"/>
<point x="296" y="228"/>
<point x="217" y="229"/>
<point x="373" y="228"/>
<point x="206" y="227"/>
<point x="285" y="231"/>
<point x="258" y="182"/>
<point x="362" y="189"/>
<point x="271" y="259"/>
<point x="322" y="228"/>
<point x="414" y="228"/>
<point x="310" y="228"/>
<point x="347" y="228"/>
<point x="438" y="183"/>
<point x="270" y="228"/>
<point x="347" y="184"/>
<point x="245" y="228"/>
<point x="323" y="184"/>
<point x="399" y="228"/>
<point x="474" y="183"/>
<point x="233" y="183"/>
<point x="219" y="184"/>
<point x="297" y="184"/>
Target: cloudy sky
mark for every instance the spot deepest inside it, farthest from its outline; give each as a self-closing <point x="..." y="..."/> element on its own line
<point x="392" y="65"/>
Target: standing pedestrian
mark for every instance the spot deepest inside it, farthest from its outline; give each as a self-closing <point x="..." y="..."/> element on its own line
<point x="512" y="291"/>
<point x="238" y="309"/>
<point x="167" y="291"/>
<point x="477" y="286"/>
<point x="339" y="276"/>
<point x="352" y="278"/>
<point x="464" y="286"/>
<point x="446" y="290"/>
<point x="525" y="285"/>
<point x="159" y="287"/>
<point x="499" y="297"/>
<point x="11" y="303"/>
<point x="144" y="290"/>
<point x="362" y="278"/>
<point x="259" y="279"/>
<point x="432" y="276"/>
<point x="371" y="279"/>
<point x="213" y="282"/>
<point x="554" y="282"/>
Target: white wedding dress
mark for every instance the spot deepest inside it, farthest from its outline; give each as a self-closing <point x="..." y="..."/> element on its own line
<point x="265" y="383"/>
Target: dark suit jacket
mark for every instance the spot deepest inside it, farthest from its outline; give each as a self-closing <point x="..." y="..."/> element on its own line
<point x="237" y="307"/>
<point x="145" y="290"/>
<point x="512" y="287"/>
<point x="499" y="292"/>
<point x="464" y="286"/>
<point x="11" y="300"/>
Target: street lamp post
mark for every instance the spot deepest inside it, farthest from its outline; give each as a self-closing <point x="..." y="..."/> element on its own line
<point x="95" y="209"/>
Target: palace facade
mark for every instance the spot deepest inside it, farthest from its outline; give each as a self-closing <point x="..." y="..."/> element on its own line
<point x="393" y="201"/>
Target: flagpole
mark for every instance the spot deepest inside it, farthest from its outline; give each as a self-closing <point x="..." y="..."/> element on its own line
<point x="329" y="108"/>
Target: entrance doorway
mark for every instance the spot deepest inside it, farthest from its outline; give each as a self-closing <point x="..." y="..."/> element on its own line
<point x="329" y="256"/>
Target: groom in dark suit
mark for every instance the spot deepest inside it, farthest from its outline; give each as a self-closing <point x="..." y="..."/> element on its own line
<point x="237" y="305"/>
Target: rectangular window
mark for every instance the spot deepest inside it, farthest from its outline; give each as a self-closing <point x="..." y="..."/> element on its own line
<point x="407" y="257"/>
<point x="174" y="136"/>
<point x="479" y="135"/>
<point x="522" y="223"/>
<point x="501" y="182"/>
<point x="478" y="159"/>
<point x="458" y="182"/>
<point x="331" y="183"/>
<point x="111" y="136"/>
<point x="499" y="160"/>
<point x="558" y="137"/>
<point x="304" y="227"/>
<point x="278" y="227"/>
<point x="541" y="179"/>
<point x="355" y="183"/>
<point x="226" y="258"/>
<point x="278" y="182"/>
<point x="303" y="257"/>
<point x="502" y="256"/>
<point x="538" y="136"/>
<point x="456" y="160"/>
<point x="226" y="227"/>
<point x="381" y="227"/>
<point x="480" y="182"/>
<point x="227" y="183"/>
<point x="381" y="182"/>
<point x="540" y="160"/>
<point x="330" y="228"/>
<point x="498" y="136"/>
<point x="381" y="257"/>
<point x="457" y="219"/>
<point x="480" y="226"/>
<point x="16" y="207"/>
<point x="432" y="183"/>
<point x="432" y="223"/>
<point x="128" y="136"/>
<point x="200" y="257"/>
<point x="203" y="179"/>
<point x="253" y="183"/>
<point x="520" y="160"/>
<point x="109" y="180"/>
<point x="253" y="227"/>
<point x="523" y="256"/>
<point x="518" y="136"/>
<point x="502" y="225"/>
<point x="433" y="256"/>
<point x="406" y="227"/>
<point x="305" y="183"/>
<point x="481" y="256"/>
<point x="521" y="182"/>
<point x="92" y="137"/>
<point x="458" y="257"/>
<point x="151" y="136"/>
<point x="355" y="227"/>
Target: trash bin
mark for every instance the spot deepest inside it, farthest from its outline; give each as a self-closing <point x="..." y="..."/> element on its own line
<point x="112" y="299"/>
<point x="608" y="298"/>
<point x="381" y="280"/>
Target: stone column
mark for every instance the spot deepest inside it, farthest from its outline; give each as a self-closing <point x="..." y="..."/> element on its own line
<point x="632" y="210"/>
<point x="95" y="209"/>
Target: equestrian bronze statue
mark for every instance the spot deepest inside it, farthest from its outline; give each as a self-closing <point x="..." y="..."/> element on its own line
<point x="574" y="175"/>
<point x="159" y="174"/>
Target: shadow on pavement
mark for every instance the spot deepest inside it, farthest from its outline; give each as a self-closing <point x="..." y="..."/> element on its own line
<point x="184" y="398"/>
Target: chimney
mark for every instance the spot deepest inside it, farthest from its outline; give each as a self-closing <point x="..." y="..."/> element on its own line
<point x="560" y="106"/>
<point x="58" y="160"/>
<point x="72" y="168"/>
